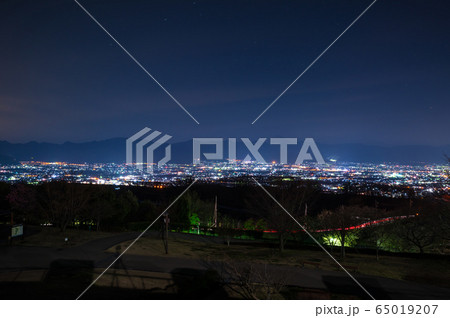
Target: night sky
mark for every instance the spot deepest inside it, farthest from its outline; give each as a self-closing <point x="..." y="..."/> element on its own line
<point x="385" y="82"/>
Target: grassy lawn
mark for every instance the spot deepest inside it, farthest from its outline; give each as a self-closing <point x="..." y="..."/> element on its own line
<point x="430" y="271"/>
<point x="53" y="237"/>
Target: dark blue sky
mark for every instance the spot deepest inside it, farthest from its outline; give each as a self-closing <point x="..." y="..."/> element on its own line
<point x="386" y="81"/>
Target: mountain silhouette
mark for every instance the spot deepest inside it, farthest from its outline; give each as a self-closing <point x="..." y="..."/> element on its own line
<point x="113" y="150"/>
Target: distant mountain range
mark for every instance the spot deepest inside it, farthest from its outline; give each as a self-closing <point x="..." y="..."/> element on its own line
<point x="113" y="150"/>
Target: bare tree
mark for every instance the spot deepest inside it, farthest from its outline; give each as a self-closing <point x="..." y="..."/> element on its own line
<point x="444" y="221"/>
<point x="101" y="205"/>
<point x="443" y="228"/>
<point x="227" y="228"/>
<point x="64" y="201"/>
<point x="378" y="230"/>
<point x="250" y="280"/>
<point x="23" y="202"/>
<point x="418" y="231"/>
<point x="343" y="220"/>
<point x="293" y="196"/>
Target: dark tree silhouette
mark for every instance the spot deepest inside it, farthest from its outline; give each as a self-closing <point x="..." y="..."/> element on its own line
<point x="342" y="220"/>
<point x="23" y="202"/>
<point x="379" y="233"/>
<point x="227" y="228"/>
<point x="63" y="202"/>
<point x="293" y="196"/>
<point x="418" y="231"/>
<point x="101" y="205"/>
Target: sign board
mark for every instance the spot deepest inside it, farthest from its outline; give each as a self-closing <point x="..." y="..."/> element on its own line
<point x="17" y="230"/>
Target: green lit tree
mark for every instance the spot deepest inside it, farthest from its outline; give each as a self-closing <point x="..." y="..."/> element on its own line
<point x="190" y="208"/>
<point x="341" y="224"/>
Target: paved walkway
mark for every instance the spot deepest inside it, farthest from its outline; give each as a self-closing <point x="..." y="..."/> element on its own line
<point x="25" y="258"/>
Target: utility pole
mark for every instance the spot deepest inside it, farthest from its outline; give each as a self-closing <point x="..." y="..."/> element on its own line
<point x="10" y="231"/>
<point x="215" y="213"/>
<point x="306" y="215"/>
<point x="166" y="232"/>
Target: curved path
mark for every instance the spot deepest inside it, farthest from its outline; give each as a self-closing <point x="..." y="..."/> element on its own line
<point x="15" y="258"/>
